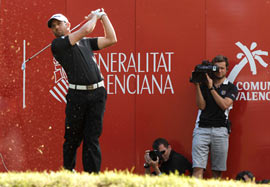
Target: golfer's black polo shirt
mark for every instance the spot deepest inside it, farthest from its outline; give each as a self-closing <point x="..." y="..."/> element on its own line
<point x="176" y="162"/>
<point x="213" y="115"/>
<point x="78" y="60"/>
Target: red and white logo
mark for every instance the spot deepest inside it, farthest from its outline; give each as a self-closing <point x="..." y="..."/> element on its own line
<point x="59" y="91"/>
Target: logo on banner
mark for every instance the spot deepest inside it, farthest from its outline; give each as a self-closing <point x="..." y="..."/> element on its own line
<point x="249" y="90"/>
<point x="140" y="73"/>
<point x="59" y="90"/>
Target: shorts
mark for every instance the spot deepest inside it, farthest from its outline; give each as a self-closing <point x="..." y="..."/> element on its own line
<point x="215" y="140"/>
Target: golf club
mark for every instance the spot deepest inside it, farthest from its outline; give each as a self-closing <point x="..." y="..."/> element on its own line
<point x="23" y="64"/>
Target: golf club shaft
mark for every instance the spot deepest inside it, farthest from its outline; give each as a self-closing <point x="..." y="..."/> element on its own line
<point x="23" y="64"/>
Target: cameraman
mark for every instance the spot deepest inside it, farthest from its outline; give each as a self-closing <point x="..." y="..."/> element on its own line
<point x="214" y="99"/>
<point x="167" y="160"/>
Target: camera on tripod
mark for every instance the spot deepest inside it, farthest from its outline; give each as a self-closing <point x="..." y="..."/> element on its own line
<point x="198" y="75"/>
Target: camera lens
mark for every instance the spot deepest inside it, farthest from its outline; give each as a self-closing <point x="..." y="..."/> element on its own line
<point x="153" y="155"/>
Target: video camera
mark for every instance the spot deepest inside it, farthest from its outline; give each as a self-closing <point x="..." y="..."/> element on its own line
<point x="154" y="154"/>
<point x="198" y="75"/>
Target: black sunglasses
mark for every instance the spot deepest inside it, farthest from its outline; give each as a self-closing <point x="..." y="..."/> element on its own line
<point x="162" y="152"/>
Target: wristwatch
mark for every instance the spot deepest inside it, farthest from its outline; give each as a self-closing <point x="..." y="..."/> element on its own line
<point x="212" y="88"/>
<point x="146" y="165"/>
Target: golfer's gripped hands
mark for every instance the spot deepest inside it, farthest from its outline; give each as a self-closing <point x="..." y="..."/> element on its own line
<point x="99" y="13"/>
<point x="90" y="16"/>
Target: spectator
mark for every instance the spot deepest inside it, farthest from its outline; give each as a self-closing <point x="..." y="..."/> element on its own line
<point x="245" y="176"/>
<point x="214" y="98"/>
<point x="163" y="159"/>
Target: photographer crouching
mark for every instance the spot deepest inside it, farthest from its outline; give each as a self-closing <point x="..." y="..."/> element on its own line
<point x="163" y="159"/>
<point x="214" y="98"/>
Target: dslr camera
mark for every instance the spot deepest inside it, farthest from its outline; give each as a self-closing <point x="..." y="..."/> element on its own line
<point x="198" y="75"/>
<point x="154" y="154"/>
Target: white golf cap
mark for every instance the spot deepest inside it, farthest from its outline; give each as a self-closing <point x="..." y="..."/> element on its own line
<point x="59" y="17"/>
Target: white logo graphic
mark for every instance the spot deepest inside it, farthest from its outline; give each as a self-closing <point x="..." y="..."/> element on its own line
<point x="250" y="90"/>
<point x="247" y="56"/>
<point x="59" y="91"/>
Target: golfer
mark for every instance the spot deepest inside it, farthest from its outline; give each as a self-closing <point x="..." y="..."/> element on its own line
<point x="86" y="95"/>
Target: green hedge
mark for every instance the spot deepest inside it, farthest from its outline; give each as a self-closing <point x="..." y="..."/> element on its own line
<point x="107" y="179"/>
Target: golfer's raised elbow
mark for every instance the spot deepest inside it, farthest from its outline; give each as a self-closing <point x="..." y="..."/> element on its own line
<point x="113" y="40"/>
<point x="110" y="42"/>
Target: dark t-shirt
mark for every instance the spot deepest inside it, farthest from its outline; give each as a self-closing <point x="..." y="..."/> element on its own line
<point x="78" y="60"/>
<point x="176" y="162"/>
<point x="213" y="115"/>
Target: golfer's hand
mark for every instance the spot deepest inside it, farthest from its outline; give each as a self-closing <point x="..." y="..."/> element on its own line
<point x="90" y="16"/>
<point x="99" y="13"/>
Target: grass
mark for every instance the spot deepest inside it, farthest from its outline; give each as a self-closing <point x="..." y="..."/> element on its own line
<point x="107" y="179"/>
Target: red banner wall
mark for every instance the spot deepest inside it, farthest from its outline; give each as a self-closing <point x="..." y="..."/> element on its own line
<point x="147" y="78"/>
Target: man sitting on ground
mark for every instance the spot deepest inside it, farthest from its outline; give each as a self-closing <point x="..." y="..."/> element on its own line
<point x="163" y="159"/>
